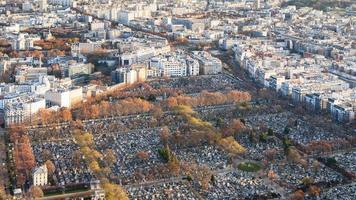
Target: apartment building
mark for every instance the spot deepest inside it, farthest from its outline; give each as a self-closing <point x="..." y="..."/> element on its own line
<point x="208" y="64"/>
<point x="21" y="109"/>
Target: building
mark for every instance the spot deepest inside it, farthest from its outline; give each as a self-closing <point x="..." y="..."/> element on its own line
<point x="208" y="64"/>
<point x="275" y="82"/>
<point x="168" y="66"/>
<point x="174" y="64"/>
<point x="4" y="65"/>
<point x="192" y="66"/>
<point x="315" y="102"/>
<point x="40" y="176"/>
<point x="99" y="193"/>
<point x="136" y="56"/>
<point x="226" y="43"/>
<point x="85" y="48"/>
<point x="97" y="26"/>
<point x="139" y="10"/>
<point x="43" y="5"/>
<point x="18" y="193"/>
<point x="118" y="75"/>
<point x="28" y="73"/>
<point x="75" y="69"/>
<point x="27" y="6"/>
<point x="64" y="3"/>
<point x="64" y="97"/>
<point x="343" y="112"/>
<point x="196" y="25"/>
<point x="23" y="41"/>
<point x="129" y="75"/>
<point x="18" y="110"/>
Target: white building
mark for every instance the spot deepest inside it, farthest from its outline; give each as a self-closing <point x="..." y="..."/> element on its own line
<point x="64" y="97"/>
<point x="136" y="56"/>
<point x="138" y="11"/>
<point x="40" y="176"/>
<point x="97" y="26"/>
<point x="23" y="41"/>
<point x="173" y="65"/>
<point x="4" y="66"/>
<point x="19" y="110"/>
<point x="28" y="73"/>
<point x="208" y="63"/>
<point x="168" y="66"/>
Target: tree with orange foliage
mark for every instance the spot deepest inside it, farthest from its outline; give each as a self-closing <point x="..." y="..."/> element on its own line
<point x="157" y="112"/>
<point x="314" y="190"/>
<point x="35" y="192"/>
<point x="110" y="157"/>
<point x="238" y="97"/>
<point x="14" y="54"/>
<point x="134" y="106"/>
<point x="37" y="54"/>
<point x="211" y="98"/>
<point x="23" y="157"/>
<point x="77" y="158"/>
<point x="174" y="166"/>
<point x="20" y="179"/>
<point x="164" y="135"/>
<point x="143" y="155"/>
<point x="94" y="111"/>
<point x="105" y="108"/>
<point x="45" y="116"/>
<point x="3" y="194"/>
<point x="77" y="124"/>
<point x="66" y="114"/>
<point x="202" y="174"/>
<point x="187" y="100"/>
<point x="85" y="111"/>
<point x="50" y="167"/>
<point x="171" y="102"/>
<point x="15" y="132"/>
<point x="321" y="146"/>
<point x="298" y="195"/>
<point x="235" y="126"/>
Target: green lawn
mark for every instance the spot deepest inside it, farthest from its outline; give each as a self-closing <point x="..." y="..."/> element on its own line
<point x="67" y="191"/>
<point x="249" y="167"/>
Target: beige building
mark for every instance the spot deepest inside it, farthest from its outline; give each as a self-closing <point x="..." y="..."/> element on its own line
<point x="40" y="176"/>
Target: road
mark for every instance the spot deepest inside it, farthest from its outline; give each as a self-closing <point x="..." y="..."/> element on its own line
<point x="174" y="179"/>
<point x="69" y="196"/>
<point x="198" y="109"/>
<point x="4" y="178"/>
